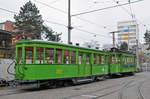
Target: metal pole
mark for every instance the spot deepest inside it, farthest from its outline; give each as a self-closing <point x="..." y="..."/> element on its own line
<point x="113" y="39"/>
<point x="128" y="39"/>
<point x="56" y="37"/>
<point x="137" y="54"/>
<point x="69" y="21"/>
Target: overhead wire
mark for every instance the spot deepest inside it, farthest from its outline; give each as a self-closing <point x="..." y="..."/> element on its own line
<point x="105" y="8"/>
<point x="8" y="10"/>
<point x="131" y="13"/>
<point x="117" y="2"/>
<point x="133" y="16"/>
<point x="64" y="12"/>
<point x="54" y="1"/>
<point x="52" y="22"/>
<point x="103" y="36"/>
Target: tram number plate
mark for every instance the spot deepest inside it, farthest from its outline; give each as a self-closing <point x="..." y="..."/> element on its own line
<point x="59" y="71"/>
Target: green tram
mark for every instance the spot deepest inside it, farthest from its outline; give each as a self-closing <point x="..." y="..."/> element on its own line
<point x="55" y="62"/>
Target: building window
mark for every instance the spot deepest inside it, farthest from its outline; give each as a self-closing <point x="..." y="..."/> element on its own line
<point x="58" y="56"/>
<point x="39" y="55"/>
<point x="28" y="55"/>
<point x="19" y="57"/>
<point x="50" y="55"/>
<point x="73" y="57"/>
<point x="80" y="58"/>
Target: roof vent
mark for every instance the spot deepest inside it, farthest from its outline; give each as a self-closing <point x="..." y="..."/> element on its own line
<point x="96" y="47"/>
<point x="77" y="44"/>
<point x="70" y="43"/>
<point x="89" y="46"/>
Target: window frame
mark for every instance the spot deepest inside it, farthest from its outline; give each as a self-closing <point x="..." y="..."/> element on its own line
<point x="32" y="59"/>
<point x="51" y="59"/>
<point x="70" y="61"/>
<point x="57" y="49"/>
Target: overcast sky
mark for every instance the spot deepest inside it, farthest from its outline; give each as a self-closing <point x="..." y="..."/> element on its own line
<point x="101" y="22"/>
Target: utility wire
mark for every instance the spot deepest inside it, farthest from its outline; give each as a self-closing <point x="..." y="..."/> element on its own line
<point x="64" y="12"/>
<point x="8" y="10"/>
<point x="104" y="27"/>
<point x="117" y="2"/>
<point x="51" y="7"/>
<point x="103" y="36"/>
<point x="52" y="22"/>
<point x="54" y="1"/>
<point x="105" y="8"/>
<point x="131" y="13"/>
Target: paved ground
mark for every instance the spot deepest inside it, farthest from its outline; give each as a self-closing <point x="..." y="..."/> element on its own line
<point x="132" y="87"/>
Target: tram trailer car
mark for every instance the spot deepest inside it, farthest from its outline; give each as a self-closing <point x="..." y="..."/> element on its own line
<point x="122" y="62"/>
<point x="40" y="61"/>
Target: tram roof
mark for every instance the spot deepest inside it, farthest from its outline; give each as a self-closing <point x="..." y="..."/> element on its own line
<point x="54" y="43"/>
<point x="63" y="44"/>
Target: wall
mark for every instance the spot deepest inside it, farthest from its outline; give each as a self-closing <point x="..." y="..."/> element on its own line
<point x="4" y="64"/>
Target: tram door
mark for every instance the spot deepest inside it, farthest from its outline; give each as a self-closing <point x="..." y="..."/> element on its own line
<point x="88" y="65"/>
<point x="84" y="64"/>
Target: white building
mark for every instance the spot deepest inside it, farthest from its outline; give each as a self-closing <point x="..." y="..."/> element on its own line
<point x="129" y="32"/>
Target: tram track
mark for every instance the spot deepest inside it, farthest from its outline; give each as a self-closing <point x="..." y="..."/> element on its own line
<point x="122" y="87"/>
<point x="141" y="96"/>
<point x="98" y="90"/>
<point x="120" y="94"/>
<point x="138" y="90"/>
<point x="104" y="91"/>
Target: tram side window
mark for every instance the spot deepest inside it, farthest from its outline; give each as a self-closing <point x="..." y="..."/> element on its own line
<point x="118" y="59"/>
<point x="50" y="55"/>
<point x="103" y="59"/>
<point x="80" y="58"/>
<point x="66" y="56"/>
<point x="126" y="60"/>
<point x="39" y="55"/>
<point x="132" y="60"/>
<point x="95" y="59"/>
<point x="19" y="60"/>
<point x="123" y="60"/>
<point x="99" y="59"/>
<point x="112" y="59"/>
<point x="58" y="56"/>
<point x="87" y="58"/>
<point x="73" y="57"/>
<point x="129" y="60"/>
<point x="28" y="55"/>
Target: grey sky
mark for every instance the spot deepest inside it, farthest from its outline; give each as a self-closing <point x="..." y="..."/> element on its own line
<point x="98" y="20"/>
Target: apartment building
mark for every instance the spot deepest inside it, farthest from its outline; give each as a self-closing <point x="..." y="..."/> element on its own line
<point x="129" y="32"/>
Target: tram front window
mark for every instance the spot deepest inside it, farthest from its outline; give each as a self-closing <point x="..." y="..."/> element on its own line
<point x="19" y="56"/>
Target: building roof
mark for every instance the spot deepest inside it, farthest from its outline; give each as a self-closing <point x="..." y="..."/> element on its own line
<point x="6" y="32"/>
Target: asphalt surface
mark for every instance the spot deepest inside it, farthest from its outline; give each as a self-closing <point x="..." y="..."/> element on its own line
<point x="131" y="87"/>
